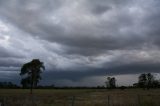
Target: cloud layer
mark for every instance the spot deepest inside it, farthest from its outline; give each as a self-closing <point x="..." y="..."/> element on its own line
<point x="80" y="39"/>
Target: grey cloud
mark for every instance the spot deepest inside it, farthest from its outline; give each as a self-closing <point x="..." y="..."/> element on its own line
<point x="34" y="23"/>
<point x="7" y="62"/>
<point x="77" y="76"/>
<point x="100" y="9"/>
<point x="9" y="68"/>
<point x="83" y="38"/>
<point x="8" y="53"/>
<point x="51" y="77"/>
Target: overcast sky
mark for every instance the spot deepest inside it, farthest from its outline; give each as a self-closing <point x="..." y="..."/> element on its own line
<point x="80" y="41"/>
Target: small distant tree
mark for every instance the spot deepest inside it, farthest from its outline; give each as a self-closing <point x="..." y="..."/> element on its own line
<point x="111" y="82"/>
<point x="150" y="81"/>
<point x="147" y="81"/>
<point x="142" y="81"/>
<point x="107" y="82"/>
<point x="31" y="73"/>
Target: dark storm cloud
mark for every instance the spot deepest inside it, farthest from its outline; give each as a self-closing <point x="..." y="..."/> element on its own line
<point x="104" y="34"/>
<point x="9" y="68"/>
<point x="98" y="7"/>
<point x="102" y="6"/>
<point x="80" y="39"/>
<point x="77" y="76"/>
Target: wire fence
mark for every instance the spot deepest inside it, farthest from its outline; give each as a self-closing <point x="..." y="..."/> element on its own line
<point x="82" y="100"/>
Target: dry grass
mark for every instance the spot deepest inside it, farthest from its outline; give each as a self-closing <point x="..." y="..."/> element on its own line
<point x="83" y="97"/>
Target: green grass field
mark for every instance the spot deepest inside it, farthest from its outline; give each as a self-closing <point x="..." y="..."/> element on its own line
<point x="80" y="97"/>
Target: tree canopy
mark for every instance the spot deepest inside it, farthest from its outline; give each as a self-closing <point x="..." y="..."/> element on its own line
<point x="30" y="73"/>
<point x="111" y="82"/>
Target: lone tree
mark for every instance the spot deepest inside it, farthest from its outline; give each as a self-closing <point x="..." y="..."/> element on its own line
<point x="30" y="73"/>
<point x="111" y="82"/>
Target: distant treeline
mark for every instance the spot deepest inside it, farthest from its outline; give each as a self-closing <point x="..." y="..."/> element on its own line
<point x="145" y="81"/>
<point x="70" y="87"/>
<point x="84" y="87"/>
<point x="8" y="85"/>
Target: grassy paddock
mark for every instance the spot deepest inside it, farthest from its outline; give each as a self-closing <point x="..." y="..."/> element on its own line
<point x="80" y="97"/>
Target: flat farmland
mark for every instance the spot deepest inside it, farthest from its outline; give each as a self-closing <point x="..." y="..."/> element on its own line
<point x="80" y="97"/>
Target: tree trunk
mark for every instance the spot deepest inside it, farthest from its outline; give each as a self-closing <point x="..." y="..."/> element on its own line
<point x="31" y="85"/>
<point x="31" y="88"/>
<point x="31" y="91"/>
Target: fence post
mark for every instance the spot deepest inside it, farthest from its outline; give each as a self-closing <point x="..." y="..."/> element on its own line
<point x="152" y="100"/>
<point x="138" y="98"/>
<point x="3" y="102"/>
<point x="108" y="100"/>
<point x="73" y="99"/>
<point x="33" y="100"/>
